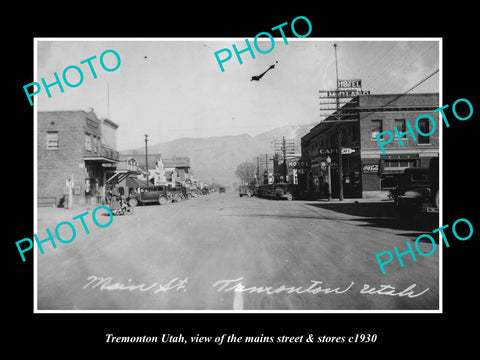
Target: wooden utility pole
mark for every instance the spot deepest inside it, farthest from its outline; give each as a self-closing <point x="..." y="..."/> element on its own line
<point x="146" y="155"/>
<point x="339" y="135"/>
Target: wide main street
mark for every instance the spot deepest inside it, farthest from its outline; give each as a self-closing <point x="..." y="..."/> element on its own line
<point x="225" y="252"/>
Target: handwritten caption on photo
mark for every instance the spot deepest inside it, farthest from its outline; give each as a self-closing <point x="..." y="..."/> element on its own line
<point x="69" y="69"/>
<point x="430" y="239"/>
<point x="62" y="238"/>
<point x="235" y="339"/>
<point x="249" y="49"/>
<point x="236" y="285"/>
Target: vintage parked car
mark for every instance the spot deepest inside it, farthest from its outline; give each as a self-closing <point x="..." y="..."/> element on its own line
<point x="260" y="191"/>
<point x="270" y="190"/>
<point x="245" y="190"/>
<point x="288" y="191"/>
<point x="418" y="191"/>
<point x="177" y="193"/>
<point x="194" y="192"/>
<point x="149" y="194"/>
<point x="221" y="189"/>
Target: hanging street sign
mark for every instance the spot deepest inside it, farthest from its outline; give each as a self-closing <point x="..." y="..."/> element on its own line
<point x="347" y="151"/>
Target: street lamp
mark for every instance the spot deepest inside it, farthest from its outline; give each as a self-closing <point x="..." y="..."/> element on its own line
<point x="329" y="161"/>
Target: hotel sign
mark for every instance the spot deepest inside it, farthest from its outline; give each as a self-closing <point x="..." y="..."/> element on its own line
<point x="298" y="164"/>
<point x="346" y="88"/>
<point x="347" y="93"/>
<point x="349" y="84"/>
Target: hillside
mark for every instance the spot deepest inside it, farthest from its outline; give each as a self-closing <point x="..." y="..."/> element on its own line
<point x="217" y="157"/>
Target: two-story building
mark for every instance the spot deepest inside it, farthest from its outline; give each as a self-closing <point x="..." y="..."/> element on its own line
<point x="74" y="145"/>
<point x="175" y="170"/>
<point x="367" y="172"/>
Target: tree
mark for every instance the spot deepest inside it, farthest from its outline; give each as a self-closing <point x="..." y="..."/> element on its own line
<point x="246" y="172"/>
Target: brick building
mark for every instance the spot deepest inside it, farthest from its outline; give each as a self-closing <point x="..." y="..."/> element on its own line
<point x="366" y="171"/>
<point x="73" y="144"/>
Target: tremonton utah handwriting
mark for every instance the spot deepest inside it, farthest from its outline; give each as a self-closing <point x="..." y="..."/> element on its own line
<point x="276" y="173"/>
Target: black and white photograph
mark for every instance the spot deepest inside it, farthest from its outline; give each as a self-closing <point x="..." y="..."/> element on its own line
<point x="270" y="174"/>
<point x="239" y="178"/>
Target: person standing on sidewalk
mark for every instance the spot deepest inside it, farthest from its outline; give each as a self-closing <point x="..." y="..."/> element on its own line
<point x="88" y="192"/>
<point x="69" y="184"/>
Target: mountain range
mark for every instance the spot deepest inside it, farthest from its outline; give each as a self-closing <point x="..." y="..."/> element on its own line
<point x="217" y="157"/>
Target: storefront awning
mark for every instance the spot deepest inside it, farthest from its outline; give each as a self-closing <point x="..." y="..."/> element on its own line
<point x="133" y="182"/>
<point x="397" y="163"/>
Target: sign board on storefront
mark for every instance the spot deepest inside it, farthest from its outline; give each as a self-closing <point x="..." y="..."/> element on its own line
<point x="298" y="164"/>
<point x="370" y="168"/>
<point x="347" y="93"/>
<point x="346" y="151"/>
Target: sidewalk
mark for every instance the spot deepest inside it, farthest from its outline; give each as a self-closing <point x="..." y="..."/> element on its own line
<point x="354" y="200"/>
<point x="368" y="208"/>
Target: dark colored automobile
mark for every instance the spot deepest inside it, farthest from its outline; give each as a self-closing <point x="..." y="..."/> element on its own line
<point x="260" y="191"/>
<point x="246" y="190"/>
<point x="288" y="191"/>
<point x="149" y="194"/>
<point x="205" y="191"/>
<point x="270" y="190"/>
<point x="418" y="191"/>
<point x="221" y="189"/>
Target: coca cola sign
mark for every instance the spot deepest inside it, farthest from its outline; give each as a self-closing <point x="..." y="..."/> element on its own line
<point x="370" y="168"/>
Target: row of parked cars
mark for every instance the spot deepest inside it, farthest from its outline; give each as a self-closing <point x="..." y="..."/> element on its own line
<point x="163" y="194"/>
<point x="273" y="191"/>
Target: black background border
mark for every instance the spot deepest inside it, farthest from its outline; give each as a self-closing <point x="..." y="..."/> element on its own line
<point x="399" y="333"/>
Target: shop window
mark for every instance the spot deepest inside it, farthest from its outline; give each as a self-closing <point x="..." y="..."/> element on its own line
<point x="424" y="127"/>
<point x="398" y="164"/>
<point x="52" y="140"/>
<point x="96" y="144"/>
<point x="88" y="142"/>
<point x="377" y="128"/>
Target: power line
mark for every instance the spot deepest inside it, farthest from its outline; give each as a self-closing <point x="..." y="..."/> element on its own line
<point x="404" y="64"/>
<point x="384" y="105"/>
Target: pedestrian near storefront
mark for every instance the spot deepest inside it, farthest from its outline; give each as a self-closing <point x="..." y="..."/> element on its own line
<point x="69" y="185"/>
<point x="88" y="193"/>
<point x="115" y="198"/>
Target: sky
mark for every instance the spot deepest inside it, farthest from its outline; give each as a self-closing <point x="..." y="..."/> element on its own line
<point x="174" y="88"/>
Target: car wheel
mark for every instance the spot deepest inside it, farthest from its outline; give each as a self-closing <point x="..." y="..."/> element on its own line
<point x="162" y="200"/>
<point x="133" y="202"/>
<point x="289" y="197"/>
